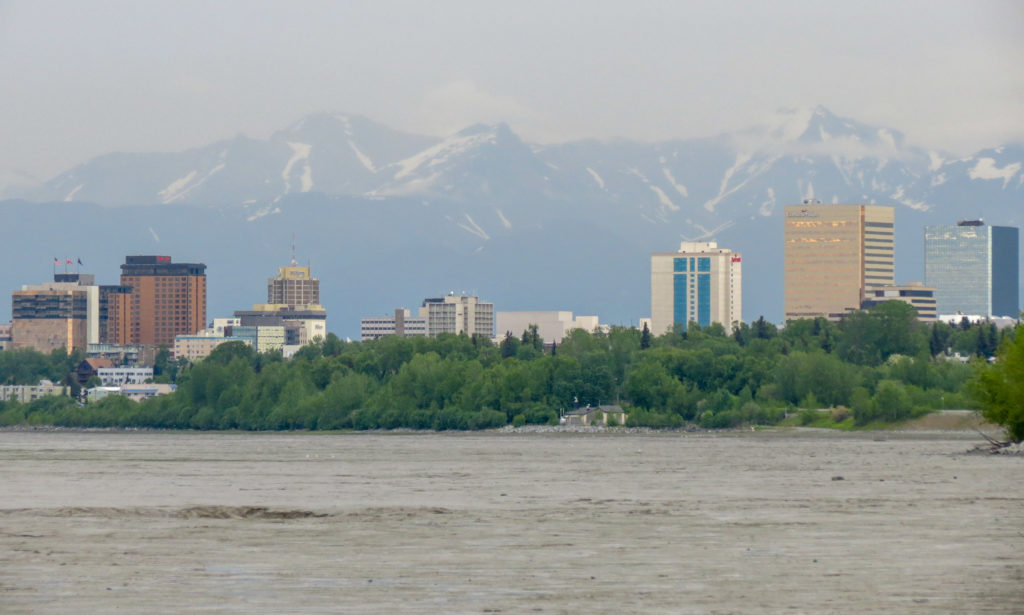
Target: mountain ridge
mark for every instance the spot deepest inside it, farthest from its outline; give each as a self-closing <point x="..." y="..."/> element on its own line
<point x="485" y="203"/>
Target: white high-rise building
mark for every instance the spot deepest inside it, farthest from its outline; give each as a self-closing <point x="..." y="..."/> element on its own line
<point x="700" y="283"/>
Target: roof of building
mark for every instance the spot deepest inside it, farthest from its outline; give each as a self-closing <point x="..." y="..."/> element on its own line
<point x="98" y="362"/>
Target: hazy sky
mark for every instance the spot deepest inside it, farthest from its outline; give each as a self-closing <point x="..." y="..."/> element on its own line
<point x="78" y="79"/>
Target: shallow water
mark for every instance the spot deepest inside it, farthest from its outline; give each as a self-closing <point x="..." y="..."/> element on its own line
<point x="508" y="522"/>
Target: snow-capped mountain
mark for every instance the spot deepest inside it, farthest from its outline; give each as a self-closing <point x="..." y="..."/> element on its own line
<point x="699" y="183"/>
<point x="574" y="223"/>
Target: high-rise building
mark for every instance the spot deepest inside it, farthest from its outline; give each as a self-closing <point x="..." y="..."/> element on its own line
<point x="293" y="302"/>
<point x="700" y="283"/>
<point x="59" y="314"/>
<point x="166" y="299"/>
<point x="293" y="286"/>
<point x="833" y="255"/>
<point x="115" y="314"/>
<point x="458" y="314"/>
<point x="974" y="268"/>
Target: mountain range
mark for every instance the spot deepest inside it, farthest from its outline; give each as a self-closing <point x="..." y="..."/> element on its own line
<point x="388" y="217"/>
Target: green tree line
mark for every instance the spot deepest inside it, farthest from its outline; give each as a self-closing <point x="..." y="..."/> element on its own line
<point x="880" y="365"/>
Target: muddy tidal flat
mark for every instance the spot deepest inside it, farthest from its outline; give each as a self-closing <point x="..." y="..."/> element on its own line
<point x="777" y="522"/>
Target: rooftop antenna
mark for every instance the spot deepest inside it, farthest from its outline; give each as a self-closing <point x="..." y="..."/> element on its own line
<point x="294" y="263"/>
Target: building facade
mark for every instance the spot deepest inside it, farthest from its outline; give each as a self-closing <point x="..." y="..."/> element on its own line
<point x="921" y="297"/>
<point x="552" y="326"/>
<point x="974" y="268"/>
<point x="700" y="283"/>
<point x="59" y="314"/>
<point x="166" y="299"/>
<point x="26" y="393"/>
<point x="456" y="314"/>
<point x="833" y="255"/>
<point x="403" y="324"/>
<point x="193" y="347"/>
<point x="116" y="376"/>
<point x="293" y="285"/>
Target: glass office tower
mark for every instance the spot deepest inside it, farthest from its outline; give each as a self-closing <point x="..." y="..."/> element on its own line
<point x="973" y="268"/>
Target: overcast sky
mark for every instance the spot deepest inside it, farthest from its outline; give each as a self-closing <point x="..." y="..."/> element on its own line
<point x="78" y="79"/>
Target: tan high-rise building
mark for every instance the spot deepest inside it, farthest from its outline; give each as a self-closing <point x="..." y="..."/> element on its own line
<point x="166" y="299"/>
<point x="294" y="286"/>
<point x="833" y="255"/>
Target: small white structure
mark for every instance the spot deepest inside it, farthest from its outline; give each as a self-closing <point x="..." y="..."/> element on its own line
<point x="140" y="392"/>
<point x="116" y="376"/>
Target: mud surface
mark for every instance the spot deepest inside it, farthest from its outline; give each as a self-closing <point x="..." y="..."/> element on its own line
<point x="797" y="522"/>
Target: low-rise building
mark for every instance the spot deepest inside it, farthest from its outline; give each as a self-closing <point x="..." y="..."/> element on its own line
<point x="194" y="347"/>
<point x="402" y="324"/>
<point x="456" y="314"/>
<point x="91" y="367"/>
<point x="912" y="293"/>
<point x="141" y="392"/>
<point x="124" y="355"/>
<point x="552" y="326"/>
<point x="600" y="415"/>
<point x="26" y="393"/>
<point x="116" y="376"/>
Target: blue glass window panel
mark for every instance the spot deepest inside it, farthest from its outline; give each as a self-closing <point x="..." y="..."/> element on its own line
<point x="703" y="264"/>
<point x="704" y="299"/>
<point x="679" y="264"/>
<point x="679" y="299"/>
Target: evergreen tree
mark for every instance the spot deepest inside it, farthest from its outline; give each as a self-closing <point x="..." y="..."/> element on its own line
<point x="645" y="338"/>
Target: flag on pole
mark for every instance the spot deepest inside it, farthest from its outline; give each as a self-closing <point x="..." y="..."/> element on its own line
<point x="79" y="261"/>
<point x="68" y="262"/>
<point x="56" y="261"/>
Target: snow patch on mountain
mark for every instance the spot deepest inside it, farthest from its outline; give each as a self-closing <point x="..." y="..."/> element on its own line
<point x="986" y="169"/>
<point x="443" y="151"/>
<point x="900" y="197"/>
<point x="363" y="158"/>
<point x="663" y="198"/>
<point x="705" y="233"/>
<point x="724" y="190"/>
<point x="266" y="211"/>
<point x="345" y="121"/>
<point x="504" y="220"/>
<point x="597" y="178"/>
<point x="681" y="189"/>
<point x="71" y="195"/>
<point x="473" y="228"/>
<point x="174" y="189"/>
<point x="300" y="153"/>
<point x="768" y="205"/>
